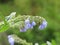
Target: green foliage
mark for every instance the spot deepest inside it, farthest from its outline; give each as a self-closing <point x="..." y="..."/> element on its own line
<point x="43" y="44"/>
<point x="20" y="41"/>
<point x="53" y="42"/>
<point x="49" y="9"/>
<point x="5" y="26"/>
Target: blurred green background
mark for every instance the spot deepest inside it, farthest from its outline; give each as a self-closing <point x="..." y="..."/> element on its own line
<point x="49" y="9"/>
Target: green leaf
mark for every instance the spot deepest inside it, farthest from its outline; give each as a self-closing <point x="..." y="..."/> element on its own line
<point x="54" y="42"/>
<point x="43" y="44"/>
<point x="4" y="27"/>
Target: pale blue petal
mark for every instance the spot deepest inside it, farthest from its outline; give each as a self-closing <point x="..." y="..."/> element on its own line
<point x="43" y="25"/>
<point x="10" y="40"/>
<point x="23" y="30"/>
<point x="33" y="23"/>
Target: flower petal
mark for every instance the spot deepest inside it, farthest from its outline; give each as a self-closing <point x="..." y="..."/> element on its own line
<point x="23" y="30"/>
<point x="43" y="25"/>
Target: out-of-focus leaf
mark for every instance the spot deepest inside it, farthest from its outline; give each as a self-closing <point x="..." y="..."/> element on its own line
<point x="53" y="42"/>
<point x="43" y="44"/>
<point x="4" y="28"/>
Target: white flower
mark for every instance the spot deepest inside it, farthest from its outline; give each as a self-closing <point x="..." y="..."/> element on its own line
<point x="48" y="43"/>
<point x="10" y="16"/>
<point x="13" y="14"/>
<point x="36" y="44"/>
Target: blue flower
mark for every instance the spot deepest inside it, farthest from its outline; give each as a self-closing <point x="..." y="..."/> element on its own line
<point x="11" y="40"/>
<point x="43" y="25"/>
<point x="28" y="24"/>
<point x="23" y="30"/>
<point x="33" y="23"/>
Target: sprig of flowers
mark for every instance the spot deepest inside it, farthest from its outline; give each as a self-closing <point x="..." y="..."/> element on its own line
<point x="25" y="22"/>
<point x="14" y="38"/>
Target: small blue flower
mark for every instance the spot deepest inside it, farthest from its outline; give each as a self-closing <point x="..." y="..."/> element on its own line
<point x="11" y="40"/>
<point x="23" y="30"/>
<point x="43" y="25"/>
<point x="33" y="23"/>
<point x="28" y="24"/>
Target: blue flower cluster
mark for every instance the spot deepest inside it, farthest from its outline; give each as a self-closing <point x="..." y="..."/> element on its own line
<point x="28" y="25"/>
<point x="43" y="25"/>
